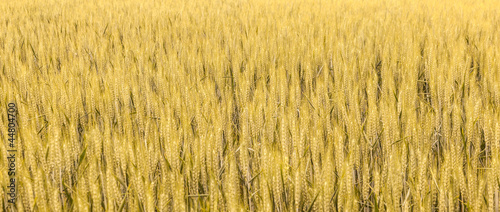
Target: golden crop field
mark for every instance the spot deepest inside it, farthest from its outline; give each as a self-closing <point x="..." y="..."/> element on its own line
<point x="249" y="105"/>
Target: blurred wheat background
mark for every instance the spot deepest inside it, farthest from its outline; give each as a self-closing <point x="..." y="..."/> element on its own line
<point x="249" y="105"/>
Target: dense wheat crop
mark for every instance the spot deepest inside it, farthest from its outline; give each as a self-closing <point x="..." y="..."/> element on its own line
<point x="249" y="105"/>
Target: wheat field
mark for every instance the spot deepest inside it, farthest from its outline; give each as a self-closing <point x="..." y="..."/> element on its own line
<point x="249" y="105"/>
